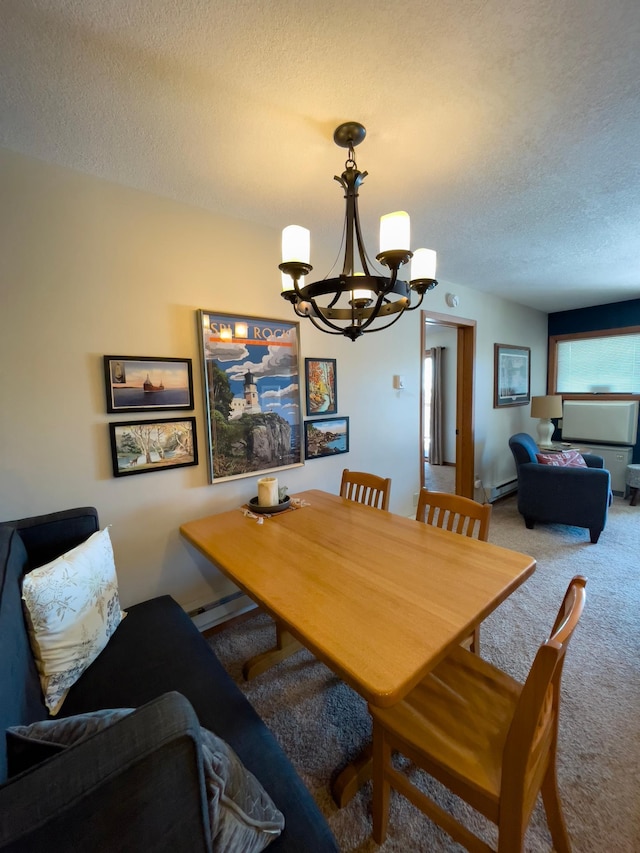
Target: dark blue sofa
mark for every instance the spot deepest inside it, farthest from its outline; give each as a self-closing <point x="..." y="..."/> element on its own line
<point x="137" y="785"/>
<point x="546" y="493"/>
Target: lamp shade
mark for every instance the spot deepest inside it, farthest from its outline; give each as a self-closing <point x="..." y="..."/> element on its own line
<point x="395" y="230"/>
<point x="423" y="264"/>
<point x="549" y="406"/>
<point x="296" y="243"/>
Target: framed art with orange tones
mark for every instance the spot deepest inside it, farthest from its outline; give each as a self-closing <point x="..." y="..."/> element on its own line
<point x="320" y="384"/>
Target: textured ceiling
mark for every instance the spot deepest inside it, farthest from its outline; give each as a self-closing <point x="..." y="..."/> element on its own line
<point x="509" y="129"/>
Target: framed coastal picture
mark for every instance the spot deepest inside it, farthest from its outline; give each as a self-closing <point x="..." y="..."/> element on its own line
<point x="147" y="383"/>
<point x="512" y="376"/>
<point x="251" y="374"/>
<point x="138" y="447"/>
<point x="320" y="384"/>
<point x="326" y="437"/>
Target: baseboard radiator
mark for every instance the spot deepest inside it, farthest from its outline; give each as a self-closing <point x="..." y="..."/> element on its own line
<point x="502" y="490"/>
<point x="212" y="613"/>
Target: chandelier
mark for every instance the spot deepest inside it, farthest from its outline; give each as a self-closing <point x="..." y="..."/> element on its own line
<point x="356" y="302"/>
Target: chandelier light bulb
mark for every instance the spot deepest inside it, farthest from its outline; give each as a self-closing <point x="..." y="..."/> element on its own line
<point x="423" y="264"/>
<point x="296" y="244"/>
<point x="287" y="282"/>
<point x="395" y="232"/>
<point x="360" y="293"/>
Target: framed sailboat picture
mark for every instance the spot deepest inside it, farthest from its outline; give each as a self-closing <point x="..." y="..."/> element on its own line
<point x="147" y="383"/>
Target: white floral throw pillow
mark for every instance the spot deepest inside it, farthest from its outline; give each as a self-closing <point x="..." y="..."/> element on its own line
<point x="72" y="608"/>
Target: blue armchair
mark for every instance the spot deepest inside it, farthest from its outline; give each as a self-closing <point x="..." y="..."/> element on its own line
<point x="547" y="493"/>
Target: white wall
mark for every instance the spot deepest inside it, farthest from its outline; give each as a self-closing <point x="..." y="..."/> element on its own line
<point x="89" y="268"/>
<point x="498" y="321"/>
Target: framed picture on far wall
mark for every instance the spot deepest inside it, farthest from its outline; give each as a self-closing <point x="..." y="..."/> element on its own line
<point x="138" y="447"/>
<point x="147" y="383"/>
<point x="252" y="394"/>
<point x="322" y="394"/>
<point x="512" y="376"/>
<point x="326" y="437"/>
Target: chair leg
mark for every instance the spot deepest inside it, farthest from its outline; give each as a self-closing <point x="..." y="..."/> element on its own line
<point x="553" y="810"/>
<point x="594" y="534"/>
<point x="472" y="642"/>
<point x="529" y="523"/>
<point x="511" y="832"/>
<point x="381" y="787"/>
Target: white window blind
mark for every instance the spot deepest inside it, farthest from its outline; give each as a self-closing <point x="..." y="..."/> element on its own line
<point x="608" y="364"/>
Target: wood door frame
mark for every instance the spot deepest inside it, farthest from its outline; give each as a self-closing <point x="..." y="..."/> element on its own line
<point x="465" y="449"/>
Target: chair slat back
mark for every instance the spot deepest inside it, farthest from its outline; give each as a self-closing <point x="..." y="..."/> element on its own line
<point x="454" y="513"/>
<point x="366" y="488"/>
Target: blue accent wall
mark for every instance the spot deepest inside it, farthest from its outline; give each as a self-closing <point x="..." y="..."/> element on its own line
<point x="615" y="315"/>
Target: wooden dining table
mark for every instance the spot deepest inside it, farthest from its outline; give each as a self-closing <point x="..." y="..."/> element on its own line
<point x="379" y="598"/>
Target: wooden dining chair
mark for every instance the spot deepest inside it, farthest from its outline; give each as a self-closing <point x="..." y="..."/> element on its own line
<point x="489" y="739"/>
<point x="455" y="513"/>
<point x="365" y="488"/>
<point x="459" y="515"/>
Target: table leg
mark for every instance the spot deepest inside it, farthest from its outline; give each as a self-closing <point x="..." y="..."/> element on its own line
<point x="352" y="777"/>
<point x="286" y="645"/>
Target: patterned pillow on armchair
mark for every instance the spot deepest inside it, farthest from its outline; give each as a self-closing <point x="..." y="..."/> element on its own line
<point x="566" y="459"/>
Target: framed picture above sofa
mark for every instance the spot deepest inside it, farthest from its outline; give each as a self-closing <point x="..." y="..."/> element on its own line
<point x="147" y="383"/>
<point x="138" y="447"/>
<point x="252" y="383"/>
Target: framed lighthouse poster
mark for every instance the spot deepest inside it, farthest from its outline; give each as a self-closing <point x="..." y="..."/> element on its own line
<point x="251" y="374"/>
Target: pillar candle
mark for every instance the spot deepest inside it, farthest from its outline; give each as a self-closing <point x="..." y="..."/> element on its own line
<point x="268" y="491"/>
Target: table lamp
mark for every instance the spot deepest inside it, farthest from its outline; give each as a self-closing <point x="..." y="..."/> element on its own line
<point x="546" y="408"/>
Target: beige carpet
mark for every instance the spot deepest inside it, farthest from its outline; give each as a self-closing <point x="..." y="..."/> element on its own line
<point x="321" y="723"/>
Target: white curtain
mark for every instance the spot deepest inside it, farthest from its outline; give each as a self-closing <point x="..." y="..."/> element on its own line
<point x="436" y="445"/>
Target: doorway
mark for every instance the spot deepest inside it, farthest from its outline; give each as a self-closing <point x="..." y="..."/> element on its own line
<point x="464" y="375"/>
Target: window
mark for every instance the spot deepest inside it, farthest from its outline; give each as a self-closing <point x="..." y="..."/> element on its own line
<point x="595" y="363"/>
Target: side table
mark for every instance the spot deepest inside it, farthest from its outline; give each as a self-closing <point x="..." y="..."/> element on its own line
<point x="633" y="481"/>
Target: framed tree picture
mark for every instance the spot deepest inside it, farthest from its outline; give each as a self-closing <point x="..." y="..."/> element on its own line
<point x="251" y="372"/>
<point x="138" y="447"/>
<point x="320" y="384"/>
<point x="512" y="376"/>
